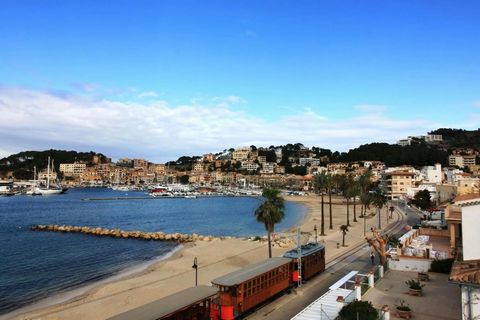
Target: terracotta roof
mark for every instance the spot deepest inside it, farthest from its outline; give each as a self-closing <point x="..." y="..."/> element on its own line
<point x="467" y="272"/>
<point x="467" y="199"/>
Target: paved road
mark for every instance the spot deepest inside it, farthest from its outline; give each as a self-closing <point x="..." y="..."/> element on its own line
<point x="358" y="259"/>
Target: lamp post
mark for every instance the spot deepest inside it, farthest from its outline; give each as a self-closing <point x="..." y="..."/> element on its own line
<point x="316" y="234"/>
<point x="364" y="224"/>
<point x="195" y="266"/>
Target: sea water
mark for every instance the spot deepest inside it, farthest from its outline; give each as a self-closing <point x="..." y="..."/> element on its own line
<point x="35" y="265"/>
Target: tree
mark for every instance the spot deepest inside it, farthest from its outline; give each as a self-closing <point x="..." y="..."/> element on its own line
<point x="422" y="199"/>
<point x="344" y="229"/>
<point x="320" y="183"/>
<point x="329" y="185"/>
<point x="379" y="199"/>
<point x="354" y="192"/>
<point x="270" y="212"/>
<point x="355" y="310"/>
<point x="348" y="190"/>
<point x="365" y="184"/>
<point x="379" y="244"/>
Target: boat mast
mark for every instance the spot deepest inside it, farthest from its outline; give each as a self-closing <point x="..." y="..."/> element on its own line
<point x="34" y="177"/>
<point x="48" y="173"/>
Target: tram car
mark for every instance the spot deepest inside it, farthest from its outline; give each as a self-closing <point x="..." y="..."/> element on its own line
<point x="313" y="261"/>
<point x="244" y="289"/>
<point x="192" y="303"/>
<point x="236" y="293"/>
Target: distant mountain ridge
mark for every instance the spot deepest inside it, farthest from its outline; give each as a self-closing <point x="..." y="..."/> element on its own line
<point x="418" y="154"/>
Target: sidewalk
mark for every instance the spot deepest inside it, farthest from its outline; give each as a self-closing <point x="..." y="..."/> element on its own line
<point x="440" y="300"/>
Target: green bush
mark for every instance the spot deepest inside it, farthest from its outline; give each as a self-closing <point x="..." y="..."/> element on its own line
<point x="441" y="266"/>
<point x="358" y="310"/>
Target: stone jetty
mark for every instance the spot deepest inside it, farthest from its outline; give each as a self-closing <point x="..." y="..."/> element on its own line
<point x="117" y="233"/>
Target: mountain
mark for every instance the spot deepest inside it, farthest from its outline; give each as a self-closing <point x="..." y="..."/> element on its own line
<point x="459" y="138"/>
<point x="22" y="163"/>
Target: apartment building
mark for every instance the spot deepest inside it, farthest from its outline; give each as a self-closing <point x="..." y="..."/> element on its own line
<point x="461" y="161"/>
<point x="241" y="154"/>
<point x="249" y="166"/>
<point x="311" y="161"/>
<point x="72" y="169"/>
<point x="398" y="182"/>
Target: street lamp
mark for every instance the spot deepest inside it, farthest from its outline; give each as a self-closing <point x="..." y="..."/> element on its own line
<point x="195" y="266"/>
<point x="316" y="234"/>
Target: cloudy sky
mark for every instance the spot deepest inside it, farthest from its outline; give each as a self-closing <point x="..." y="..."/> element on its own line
<point x="161" y="79"/>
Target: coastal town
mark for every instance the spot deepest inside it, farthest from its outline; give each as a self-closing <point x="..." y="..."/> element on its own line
<point x="239" y="160"/>
<point x="439" y="202"/>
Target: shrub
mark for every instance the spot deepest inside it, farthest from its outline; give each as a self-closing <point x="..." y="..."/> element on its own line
<point x="358" y="310"/>
<point x="441" y="266"/>
<point x="414" y="284"/>
<point x="403" y="306"/>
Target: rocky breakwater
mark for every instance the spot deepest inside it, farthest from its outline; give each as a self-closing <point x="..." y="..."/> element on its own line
<point x="117" y="233"/>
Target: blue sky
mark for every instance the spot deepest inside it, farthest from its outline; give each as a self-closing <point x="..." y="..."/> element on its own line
<point x="284" y="71"/>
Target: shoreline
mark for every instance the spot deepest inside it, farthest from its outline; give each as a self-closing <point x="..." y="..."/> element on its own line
<point x="173" y="273"/>
<point x="79" y="292"/>
<point x="83" y="291"/>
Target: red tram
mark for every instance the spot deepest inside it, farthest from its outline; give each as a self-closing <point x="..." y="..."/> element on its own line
<point x="313" y="260"/>
<point x="237" y="292"/>
<point x="246" y="288"/>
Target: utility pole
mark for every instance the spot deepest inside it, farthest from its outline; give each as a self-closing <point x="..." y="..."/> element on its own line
<point x="299" y="258"/>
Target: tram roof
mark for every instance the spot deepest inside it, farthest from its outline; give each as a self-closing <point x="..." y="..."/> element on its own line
<point x="307" y="249"/>
<point x="169" y="304"/>
<point x="250" y="271"/>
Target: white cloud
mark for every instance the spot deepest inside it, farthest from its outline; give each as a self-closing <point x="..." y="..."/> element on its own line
<point x="160" y="131"/>
<point x="148" y="94"/>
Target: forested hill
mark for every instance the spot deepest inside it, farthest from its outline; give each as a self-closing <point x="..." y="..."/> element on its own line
<point x="418" y="154"/>
<point x="22" y="163"/>
<point x="459" y="138"/>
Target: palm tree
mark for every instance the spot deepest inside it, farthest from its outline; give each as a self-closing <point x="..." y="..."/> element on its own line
<point x="344" y="229"/>
<point x="379" y="199"/>
<point x="320" y="183"/>
<point x="330" y="183"/>
<point x="270" y="212"/>
<point x="345" y="184"/>
<point x="354" y="193"/>
<point x="365" y="184"/>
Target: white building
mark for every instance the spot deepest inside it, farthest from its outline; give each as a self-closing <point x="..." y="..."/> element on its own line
<point x="432" y="174"/>
<point x="268" y="167"/>
<point x="311" y="161"/>
<point x="466" y="272"/>
<point x="250" y="165"/>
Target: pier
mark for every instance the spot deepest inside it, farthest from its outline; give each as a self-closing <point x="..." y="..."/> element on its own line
<point x="117" y="233"/>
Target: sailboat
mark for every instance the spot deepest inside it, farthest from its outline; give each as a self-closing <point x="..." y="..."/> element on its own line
<point x="50" y="190"/>
<point x="33" y="191"/>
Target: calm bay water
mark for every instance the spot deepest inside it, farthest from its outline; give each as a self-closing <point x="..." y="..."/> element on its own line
<point x="35" y="265"/>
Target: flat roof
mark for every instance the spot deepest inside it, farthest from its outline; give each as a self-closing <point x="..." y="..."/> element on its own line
<point x="307" y="249"/>
<point x="251" y="271"/>
<point x="168" y="305"/>
<point x="325" y="307"/>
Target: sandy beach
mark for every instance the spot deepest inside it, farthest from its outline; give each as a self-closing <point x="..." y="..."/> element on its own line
<point x="215" y="258"/>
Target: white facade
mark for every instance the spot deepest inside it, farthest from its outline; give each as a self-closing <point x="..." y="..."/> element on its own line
<point x="305" y="161"/>
<point x="470" y="302"/>
<point x="432" y="174"/>
<point x="470" y="234"/>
